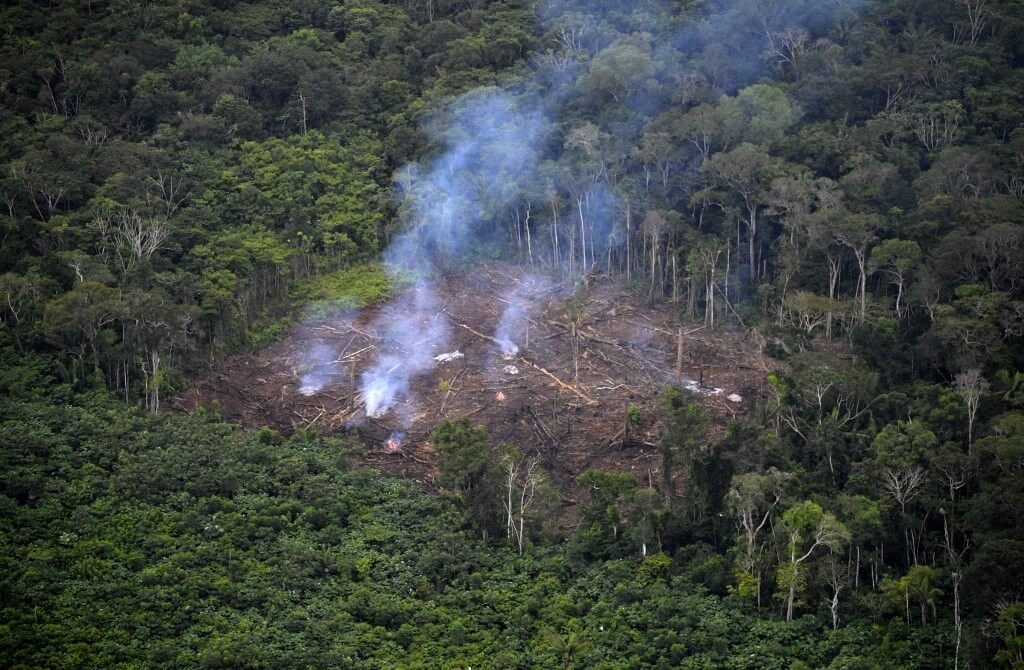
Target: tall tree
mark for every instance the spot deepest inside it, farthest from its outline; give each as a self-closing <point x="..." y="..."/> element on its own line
<point x="747" y="171"/>
<point x="683" y="440"/>
<point x="469" y="467"/>
<point x="751" y="499"/>
<point x="807" y="527"/>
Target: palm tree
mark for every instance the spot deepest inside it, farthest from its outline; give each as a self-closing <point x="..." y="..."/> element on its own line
<point x="919" y="584"/>
<point x="569" y="645"/>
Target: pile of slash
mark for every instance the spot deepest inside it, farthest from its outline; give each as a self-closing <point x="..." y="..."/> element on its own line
<point x="581" y="392"/>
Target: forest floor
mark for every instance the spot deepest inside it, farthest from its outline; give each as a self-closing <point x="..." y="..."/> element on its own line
<point x="536" y="399"/>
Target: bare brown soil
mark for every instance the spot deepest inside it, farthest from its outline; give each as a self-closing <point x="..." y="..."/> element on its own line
<point x="574" y="421"/>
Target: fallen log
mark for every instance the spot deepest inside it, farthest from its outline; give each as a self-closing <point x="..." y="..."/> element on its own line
<point x="541" y="427"/>
<point x="348" y="329"/>
<point x="451" y="387"/>
<point x="617" y="439"/>
<point x="567" y="387"/>
<point x="342" y="358"/>
<point x="479" y="334"/>
<point x="323" y="410"/>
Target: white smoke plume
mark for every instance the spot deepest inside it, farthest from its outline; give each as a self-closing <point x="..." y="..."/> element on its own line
<point x="492" y="145"/>
<point x="490" y="139"/>
<point x="514" y="321"/>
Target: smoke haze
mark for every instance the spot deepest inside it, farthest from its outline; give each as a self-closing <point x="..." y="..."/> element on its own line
<point x="491" y="145"/>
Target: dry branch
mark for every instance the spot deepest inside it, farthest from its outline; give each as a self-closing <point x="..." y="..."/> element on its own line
<point x="351" y="357"/>
<point x="479" y="334"/>
<point x="451" y="387"/>
<point x="323" y="410"/>
<point x="348" y="329"/>
<point x="541" y="427"/>
<point x="567" y="387"/>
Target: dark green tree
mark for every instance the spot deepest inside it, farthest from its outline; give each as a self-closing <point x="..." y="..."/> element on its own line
<point x="470" y="468"/>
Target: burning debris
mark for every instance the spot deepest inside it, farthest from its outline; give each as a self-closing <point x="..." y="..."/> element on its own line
<point x="394" y="442"/>
<point x="510" y="370"/>
<point x="414" y="328"/>
<point x="708" y="391"/>
<point x="442" y="201"/>
<point x="316" y="369"/>
<point x="379" y="394"/>
<point x="499" y="396"/>
<point x="515" y="319"/>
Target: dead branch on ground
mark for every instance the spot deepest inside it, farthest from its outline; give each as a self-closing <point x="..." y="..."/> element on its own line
<point x="567" y="387"/>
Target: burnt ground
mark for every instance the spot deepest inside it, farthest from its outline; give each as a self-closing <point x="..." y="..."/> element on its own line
<point x="626" y="351"/>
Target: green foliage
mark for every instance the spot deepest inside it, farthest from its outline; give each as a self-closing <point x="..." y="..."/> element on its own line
<point x="634" y="415"/>
<point x="469" y="467"/>
<point x="603" y="516"/>
<point x="259" y="166"/>
<point x="1009" y="628"/>
<point x="903" y="444"/>
<point x="762" y="112"/>
<point x="803" y="517"/>
<point x="348" y="289"/>
<point x="238" y="550"/>
<point x="846" y="182"/>
<point x="917" y="587"/>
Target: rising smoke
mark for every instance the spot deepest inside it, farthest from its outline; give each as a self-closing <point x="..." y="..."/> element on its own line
<point x="514" y="321"/>
<point x="490" y="140"/>
<point x="317" y="367"/>
<point x="414" y="329"/>
<point x="491" y="152"/>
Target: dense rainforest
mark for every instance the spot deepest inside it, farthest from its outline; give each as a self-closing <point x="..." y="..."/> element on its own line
<point x="841" y="180"/>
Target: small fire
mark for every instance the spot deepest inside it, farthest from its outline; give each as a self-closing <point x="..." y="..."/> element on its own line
<point x="509" y="349"/>
<point x="394" y="442"/>
<point x="500" y="397"/>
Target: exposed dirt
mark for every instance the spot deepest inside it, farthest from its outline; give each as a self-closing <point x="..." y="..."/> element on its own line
<point x="626" y="351"/>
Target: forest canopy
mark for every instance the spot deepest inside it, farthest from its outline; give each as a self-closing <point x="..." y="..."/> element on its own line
<point x="842" y="181"/>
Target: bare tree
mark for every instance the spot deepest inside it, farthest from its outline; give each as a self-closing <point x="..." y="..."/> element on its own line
<point x="836" y="579"/>
<point x="938" y="124"/>
<point x="92" y="132"/>
<point x="904" y="483"/>
<point x="653" y="227"/>
<point x="523" y="478"/>
<point x="131" y="237"/>
<point x="571" y="38"/>
<point x="43" y="189"/>
<point x="956" y="562"/>
<point x="807" y="526"/>
<point x="971" y="385"/>
<point x="703" y="260"/>
<point x="978" y="15"/>
<point x="856" y="234"/>
<point x="170" y="192"/>
<point x="787" y="47"/>
<point x="954" y="470"/>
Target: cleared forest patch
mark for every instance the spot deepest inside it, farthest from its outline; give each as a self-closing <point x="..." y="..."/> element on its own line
<point x="581" y="391"/>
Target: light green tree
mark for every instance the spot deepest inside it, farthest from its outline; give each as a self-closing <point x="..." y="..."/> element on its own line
<point x="895" y="258"/>
<point x="807" y="528"/>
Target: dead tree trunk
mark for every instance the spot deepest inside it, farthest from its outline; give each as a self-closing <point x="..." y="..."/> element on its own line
<point x="679" y="356"/>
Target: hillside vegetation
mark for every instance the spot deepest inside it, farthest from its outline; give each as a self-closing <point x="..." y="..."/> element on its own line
<point x="844" y="181"/>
